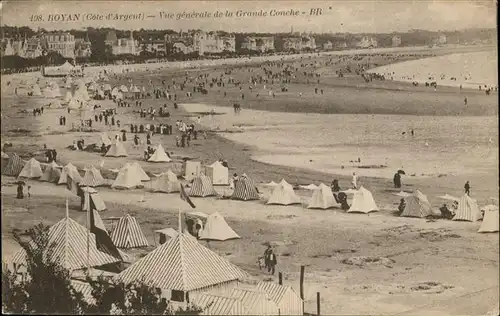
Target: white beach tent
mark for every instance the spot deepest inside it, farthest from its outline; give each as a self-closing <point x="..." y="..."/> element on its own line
<point x="218" y="173"/>
<point x="417" y="205"/>
<point x="309" y="187"/>
<point x="123" y="88"/>
<point x="323" y="198"/>
<point x="216" y="228"/>
<point x="92" y="178"/>
<point x="116" y="150"/>
<point x="139" y="171"/>
<point x="363" y="202"/>
<point x="36" y="90"/>
<point x="71" y="171"/>
<point x="491" y="219"/>
<point x="68" y="97"/>
<point x="166" y="182"/>
<point x="283" y="194"/>
<point x="127" y="178"/>
<point x="467" y="210"/>
<point x="52" y="173"/>
<point x="92" y="200"/>
<point x="159" y="155"/>
<point x="31" y="169"/>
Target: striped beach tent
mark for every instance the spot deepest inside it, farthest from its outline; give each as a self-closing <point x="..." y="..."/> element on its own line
<point x="128" y="234"/>
<point x="255" y="302"/>
<point x="52" y="173"/>
<point x="92" y="178"/>
<point x="69" y="171"/>
<point x="417" y="205"/>
<point x="218" y="304"/>
<point x="202" y="187"/>
<point x="31" y="170"/>
<point x="183" y="264"/>
<point x="467" y="210"/>
<point x="14" y="166"/>
<point x="284" y="296"/>
<point x="245" y="190"/>
<point x="283" y="194"/>
<point x="166" y="182"/>
<point x="363" y="202"/>
<point x="69" y="240"/>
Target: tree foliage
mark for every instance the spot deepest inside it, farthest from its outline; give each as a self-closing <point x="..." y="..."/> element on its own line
<point x="47" y="287"/>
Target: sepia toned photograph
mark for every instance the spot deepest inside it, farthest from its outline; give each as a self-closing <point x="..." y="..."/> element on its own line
<point x="250" y="157"/>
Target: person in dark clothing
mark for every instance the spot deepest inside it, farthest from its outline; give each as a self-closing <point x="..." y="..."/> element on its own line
<point x="20" y="193"/>
<point x="124" y="136"/>
<point x="335" y="186"/>
<point x="402" y="205"/>
<point x="342" y="199"/>
<point x="467" y="188"/>
<point x="397" y="180"/>
<point x="54" y="155"/>
<point x="270" y="261"/>
<point x="445" y="212"/>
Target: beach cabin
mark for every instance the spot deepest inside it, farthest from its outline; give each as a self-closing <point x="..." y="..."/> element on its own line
<point x="191" y="169"/>
<point x="287" y="300"/>
<point x="218" y="173"/>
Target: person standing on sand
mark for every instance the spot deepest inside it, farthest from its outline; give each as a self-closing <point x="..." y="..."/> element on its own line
<point x="354" y="181"/>
<point x="20" y="193"/>
<point x="467" y="188"/>
<point x="465" y="101"/>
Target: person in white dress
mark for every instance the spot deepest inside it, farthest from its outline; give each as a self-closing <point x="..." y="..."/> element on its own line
<point x="354" y="181"/>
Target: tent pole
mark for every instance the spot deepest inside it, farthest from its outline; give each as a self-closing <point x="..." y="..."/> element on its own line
<point x="88" y="239"/>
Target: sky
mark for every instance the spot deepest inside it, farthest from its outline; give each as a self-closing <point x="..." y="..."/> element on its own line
<point x="370" y="16"/>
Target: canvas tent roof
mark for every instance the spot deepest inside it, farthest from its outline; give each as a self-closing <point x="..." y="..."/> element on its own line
<point x="245" y="190"/>
<point x="4" y="155"/>
<point x="283" y="194"/>
<point x="255" y="302"/>
<point x="216" y="228"/>
<point x="127" y="178"/>
<point x="218" y="173"/>
<point x="159" y="155"/>
<point x="14" y="166"/>
<point x="52" y="173"/>
<point x="128" y="234"/>
<point x="491" y="220"/>
<point x="31" y="169"/>
<point x="467" y="210"/>
<point x="69" y="170"/>
<point x="218" y="304"/>
<point x="104" y="140"/>
<point x="311" y="186"/>
<point x="139" y="171"/>
<point x="92" y="178"/>
<point x="166" y="182"/>
<point x="116" y="150"/>
<point x="92" y="200"/>
<point x="363" y="202"/>
<point x="417" y="205"/>
<point x="70" y="247"/>
<point x="202" y="187"/>
<point x="182" y="264"/>
<point x="322" y="198"/>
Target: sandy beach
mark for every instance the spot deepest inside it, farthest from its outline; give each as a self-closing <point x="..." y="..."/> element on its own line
<point x="423" y="268"/>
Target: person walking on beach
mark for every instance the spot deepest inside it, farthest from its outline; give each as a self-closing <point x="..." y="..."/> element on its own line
<point x="465" y="101"/>
<point x="467" y="188"/>
<point x="20" y="193"/>
<point x="354" y="181"/>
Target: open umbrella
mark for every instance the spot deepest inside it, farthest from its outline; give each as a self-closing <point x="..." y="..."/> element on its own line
<point x="448" y="197"/>
<point x="401" y="172"/>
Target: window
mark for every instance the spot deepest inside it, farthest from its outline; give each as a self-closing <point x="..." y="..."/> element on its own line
<point x="177" y="296"/>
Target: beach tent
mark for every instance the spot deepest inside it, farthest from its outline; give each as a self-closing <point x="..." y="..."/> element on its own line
<point x="71" y="171"/>
<point x="322" y="198"/>
<point x="467" y="210"/>
<point x="123" y="88"/>
<point x="166" y="182"/>
<point x="104" y="140"/>
<point x="214" y="304"/>
<point x="159" y="155"/>
<point x="127" y="178"/>
<point x="92" y="178"/>
<point x="183" y="264"/>
<point x="14" y="166"/>
<point x="271" y="184"/>
<point x="417" y="205"/>
<point x="116" y="150"/>
<point x="55" y="104"/>
<point x="245" y="189"/>
<point x="91" y="200"/>
<point x="31" y="169"/>
<point x="202" y="187"/>
<point x="36" y="90"/>
<point x="491" y="220"/>
<point x="106" y="87"/>
<point x="74" y="104"/>
<point x="128" y="234"/>
<point x="114" y="92"/>
<point x="52" y="173"/>
<point x="283" y="194"/>
<point x="218" y="173"/>
<point x="143" y="176"/>
<point x="255" y="302"/>
<point x="71" y="251"/>
<point x="191" y="169"/>
<point x="363" y="202"/>
<point x="216" y="228"/>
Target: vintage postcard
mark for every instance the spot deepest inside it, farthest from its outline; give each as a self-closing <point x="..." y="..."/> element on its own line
<point x="250" y="157"/>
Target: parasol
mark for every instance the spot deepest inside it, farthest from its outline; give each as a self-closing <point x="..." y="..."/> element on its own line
<point x="401" y="172"/>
